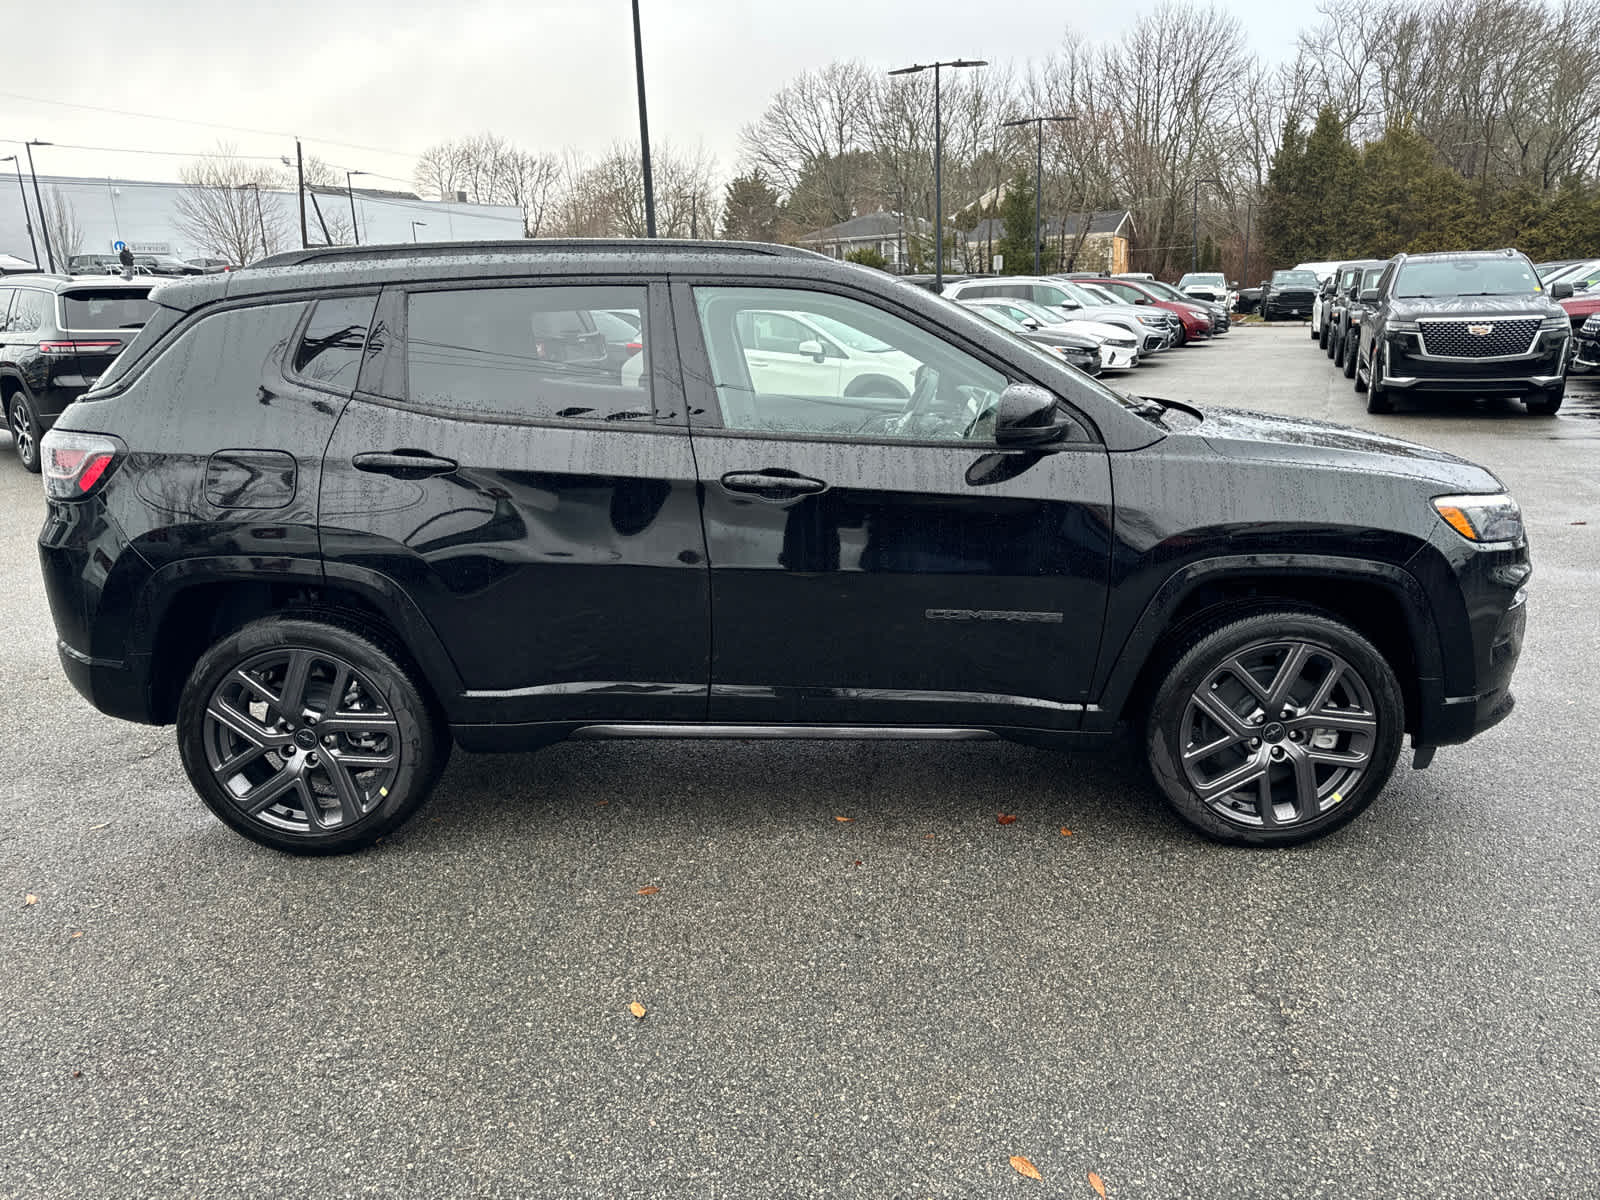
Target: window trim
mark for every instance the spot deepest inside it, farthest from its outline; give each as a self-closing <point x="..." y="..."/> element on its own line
<point x="1085" y="435"/>
<point x="392" y="375"/>
<point x="300" y="327"/>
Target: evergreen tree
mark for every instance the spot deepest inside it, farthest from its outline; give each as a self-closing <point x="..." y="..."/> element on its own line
<point x="1409" y="201"/>
<point x="1330" y="174"/>
<point x="1210" y="256"/>
<point x="1284" y="210"/>
<point x="1016" y="211"/>
<point x="750" y="209"/>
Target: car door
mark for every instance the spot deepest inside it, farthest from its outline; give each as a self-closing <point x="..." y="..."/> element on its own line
<point x="539" y="511"/>
<point x="888" y="568"/>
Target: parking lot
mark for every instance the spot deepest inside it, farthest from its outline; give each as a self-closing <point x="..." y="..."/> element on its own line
<point x="856" y="980"/>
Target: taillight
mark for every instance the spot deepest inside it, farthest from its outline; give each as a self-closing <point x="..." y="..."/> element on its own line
<point x="75" y="347"/>
<point x="633" y="348"/>
<point x="76" y="463"/>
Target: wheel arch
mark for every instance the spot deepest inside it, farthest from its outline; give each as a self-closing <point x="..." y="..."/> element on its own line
<point x="1381" y="601"/>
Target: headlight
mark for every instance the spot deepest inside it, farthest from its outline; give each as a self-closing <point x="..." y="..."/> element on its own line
<point x="1482" y="518"/>
<point x="1404" y="327"/>
<point x="1592" y="325"/>
<point x="1556" y="324"/>
<point x="1150" y="320"/>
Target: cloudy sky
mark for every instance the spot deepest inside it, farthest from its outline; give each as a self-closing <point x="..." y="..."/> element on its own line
<point x="369" y="84"/>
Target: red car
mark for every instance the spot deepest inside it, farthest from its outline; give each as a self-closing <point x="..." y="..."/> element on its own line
<point x="1196" y="324"/>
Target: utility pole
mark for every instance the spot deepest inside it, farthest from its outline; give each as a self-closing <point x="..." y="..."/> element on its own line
<point x="27" y="218"/>
<point x="1038" y="174"/>
<point x="644" y="130"/>
<point x="1244" y="271"/>
<point x="1194" y="263"/>
<point x="938" y="158"/>
<point x="44" y="220"/>
<point x="349" y="189"/>
<point x="300" y="184"/>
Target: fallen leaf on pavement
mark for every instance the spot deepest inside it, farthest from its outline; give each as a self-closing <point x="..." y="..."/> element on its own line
<point x="638" y="1010"/>
<point x="1006" y="818"/>
<point x="31" y="900"/>
<point x="1023" y="1167"/>
<point x="102" y="825"/>
<point x="601" y="803"/>
<point x="77" y="933"/>
<point x="77" y="1074"/>
<point x="844" y="819"/>
<point x="1096" y="1183"/>
<point x="649" y="891"/>
<point x="1065" y="832"/>
<point x="926" y="836"/>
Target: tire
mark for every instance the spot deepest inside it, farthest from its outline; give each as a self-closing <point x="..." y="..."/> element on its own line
<point x="1324" y="775"/>
<point x="230" y="728"/>
<point x="25" y="432"/>
<point x="1379" y="398"/>
<point x="879" y="387"/>
<point x="1547" y="401"/>
<point x="1352" y="342"/>
<point x="1319" y="335"/>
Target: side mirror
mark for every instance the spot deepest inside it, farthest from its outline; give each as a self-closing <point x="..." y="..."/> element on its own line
<point x="1028" y="415"/>
<point x="1029" y="323"/>
<point x="813" y="348"/>
<point x="1234" y="284"/>
<point x="1369" y="296"/>
<point x="1561" y="291"/>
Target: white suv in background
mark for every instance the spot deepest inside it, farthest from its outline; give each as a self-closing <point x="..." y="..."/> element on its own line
<point x="1155" y="328"/>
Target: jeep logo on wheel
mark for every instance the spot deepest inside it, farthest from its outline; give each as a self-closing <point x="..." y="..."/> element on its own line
<point x="1480" y="330"/>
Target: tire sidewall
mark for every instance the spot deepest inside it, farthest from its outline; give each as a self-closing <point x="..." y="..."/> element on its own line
<point x="420" y="760"/>
<point x="19" y="404"/>
<point x="1204" y="653"/>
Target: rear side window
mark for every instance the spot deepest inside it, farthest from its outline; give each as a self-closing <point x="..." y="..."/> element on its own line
<point x="28" y="312"/>
<point x="106" y="308"/>
<point x="530" y="353"/>
<point x="335" y="337"/>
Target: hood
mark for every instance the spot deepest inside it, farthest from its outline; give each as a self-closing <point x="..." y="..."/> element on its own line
<point x="1094" y="330"/>
<point x="1241" y="434"/>
<point x="1581" y="306"/>
<point x="1102" y="311"/>
<point x="1444" y="307"/>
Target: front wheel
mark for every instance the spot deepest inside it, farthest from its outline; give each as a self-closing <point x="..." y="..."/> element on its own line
<point x="1379" y="398"/>
<point x="1547" y="401"/>
<point x="307" y="737"/>
<point x="1275" y="728"/>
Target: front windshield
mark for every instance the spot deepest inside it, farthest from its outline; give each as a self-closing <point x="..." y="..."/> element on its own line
<point x="1089" y="295"/>
<point x="1202" y="279"/>
<point x="1370" y="277"/>
<point x="1466" y="277"/>
<point x="1166" y="291"/>
<point x="1294" y="279"/>
<point x="853" y="338"/>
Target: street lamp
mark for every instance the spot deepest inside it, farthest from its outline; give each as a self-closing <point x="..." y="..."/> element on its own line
<point x="350" y="191"/>
<point x="938" y="158"/>
<point x="1038" y="172"/>
<point x="44" y="223"/>
<point x="644" y="130"/>
<point x="1194" y="264"/>
<point x="414" y="225"/>
<point x="27" y="218"/>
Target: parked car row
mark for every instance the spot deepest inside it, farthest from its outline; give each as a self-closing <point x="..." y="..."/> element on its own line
<point x="334" y="514"/>
<point x="1477" y="323"/>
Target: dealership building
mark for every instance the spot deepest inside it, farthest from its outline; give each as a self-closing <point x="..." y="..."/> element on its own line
<point x="144" y="215"/>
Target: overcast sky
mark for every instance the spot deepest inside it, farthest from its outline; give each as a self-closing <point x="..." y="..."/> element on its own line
<point x="401" y="75"/>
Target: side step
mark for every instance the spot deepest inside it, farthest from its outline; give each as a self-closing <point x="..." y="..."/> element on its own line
<point x="786" y="732"/>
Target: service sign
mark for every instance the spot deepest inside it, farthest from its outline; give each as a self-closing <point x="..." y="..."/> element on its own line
<point x="118" y="246"/>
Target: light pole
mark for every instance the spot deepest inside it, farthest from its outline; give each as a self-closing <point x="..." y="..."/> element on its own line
<point x="938" y="158"/>
<point x="1194" y="262"/>
<point x="414" y="225"/>
<point x="1038" y="172"/>
<point x="349" y="190"/>
<point x="644" y="130"/>
<point x="27" y="218"/>
<point x="44" y="222"/>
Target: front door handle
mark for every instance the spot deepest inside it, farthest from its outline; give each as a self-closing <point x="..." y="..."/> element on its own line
<point x="404" y="464"/>
<point x="771" y="485"/>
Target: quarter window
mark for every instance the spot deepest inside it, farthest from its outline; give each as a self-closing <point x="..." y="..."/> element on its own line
<point x="336" y="335"/>
<point x="795" y="362"/>
<point x="544" y="353"/>
<point x="28" y="312"/>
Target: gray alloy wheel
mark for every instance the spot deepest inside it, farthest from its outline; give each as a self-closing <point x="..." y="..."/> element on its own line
<point x="307" y="737"/>
<point x="1379" y="398"/>
<point x="1275" y="728"/>
<point x="24" y="431"/>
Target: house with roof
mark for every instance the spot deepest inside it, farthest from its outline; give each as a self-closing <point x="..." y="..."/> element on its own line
<point x="885" y="232"/>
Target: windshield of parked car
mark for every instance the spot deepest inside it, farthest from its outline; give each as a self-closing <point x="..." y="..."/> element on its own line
<point x="1294" y="279"/>
<point x="1466" y="277"/>
<point x="1166" y="291"/>
<point x="1574" y="273"/>
<point x="849" y="335"/>
<point x="1038" y="312"/>
<point x="1370" y="277"/>
<point x="107" y="308"/>
<point x="1000" y="317"/>
<point x="1088" y="295"/>
<point x="1204" y="279"/>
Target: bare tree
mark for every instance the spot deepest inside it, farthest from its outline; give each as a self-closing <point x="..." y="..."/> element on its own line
<point x="61" y="219"/>
<point x="222" y="212"/>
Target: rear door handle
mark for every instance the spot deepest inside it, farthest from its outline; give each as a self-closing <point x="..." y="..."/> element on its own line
<point x="404" y="464"/>
<point x="770" y="485"/>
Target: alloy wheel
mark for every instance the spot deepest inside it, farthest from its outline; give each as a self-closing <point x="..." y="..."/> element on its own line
<point x="301" y="741"/>
<point x="1278" y="735"/>
<point x="22" y="431"/>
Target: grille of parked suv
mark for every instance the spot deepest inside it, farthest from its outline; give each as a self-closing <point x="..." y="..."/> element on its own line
<point x="1491" y="337"/>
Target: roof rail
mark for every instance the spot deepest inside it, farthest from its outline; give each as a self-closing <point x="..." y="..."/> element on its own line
<point x="404" y="250"/>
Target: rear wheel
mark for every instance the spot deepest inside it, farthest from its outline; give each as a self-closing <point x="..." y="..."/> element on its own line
<point x="1275" y="728"/>
<point x="307" y="737"/>
<point x="1547" y="401"/>
<point x="1352" y="342"/>
<point x="1319" y="335"/>
<point x="24" y="426"/>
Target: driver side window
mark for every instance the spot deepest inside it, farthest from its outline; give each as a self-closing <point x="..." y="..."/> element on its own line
<point x="864" y="372"/>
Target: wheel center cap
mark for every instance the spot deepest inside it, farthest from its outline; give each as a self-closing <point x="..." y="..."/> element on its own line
<point x="1273" y="732"/>
<point x="307" y="740"/>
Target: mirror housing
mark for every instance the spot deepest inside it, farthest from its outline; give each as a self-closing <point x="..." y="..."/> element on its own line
<point x="813" y="348"/>
<point x="1030" y="323"/>
<point x="1561" y="291"/>
<point x="1369" y="295"/>
<point x="1028" y="415"/>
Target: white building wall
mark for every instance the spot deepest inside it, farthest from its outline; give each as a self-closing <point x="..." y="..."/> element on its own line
<point x="111" y="210"/>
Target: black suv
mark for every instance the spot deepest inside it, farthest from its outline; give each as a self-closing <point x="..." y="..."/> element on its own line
<point x="1341" y="309"/>
<point x="1478" y="322"/>
<point x="57" y="334"/>
<point x="1289" y="294"/>
<point x="335" y="512"/>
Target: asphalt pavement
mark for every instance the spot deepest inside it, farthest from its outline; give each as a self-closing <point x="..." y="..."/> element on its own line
<point x="891" y="1005"/>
